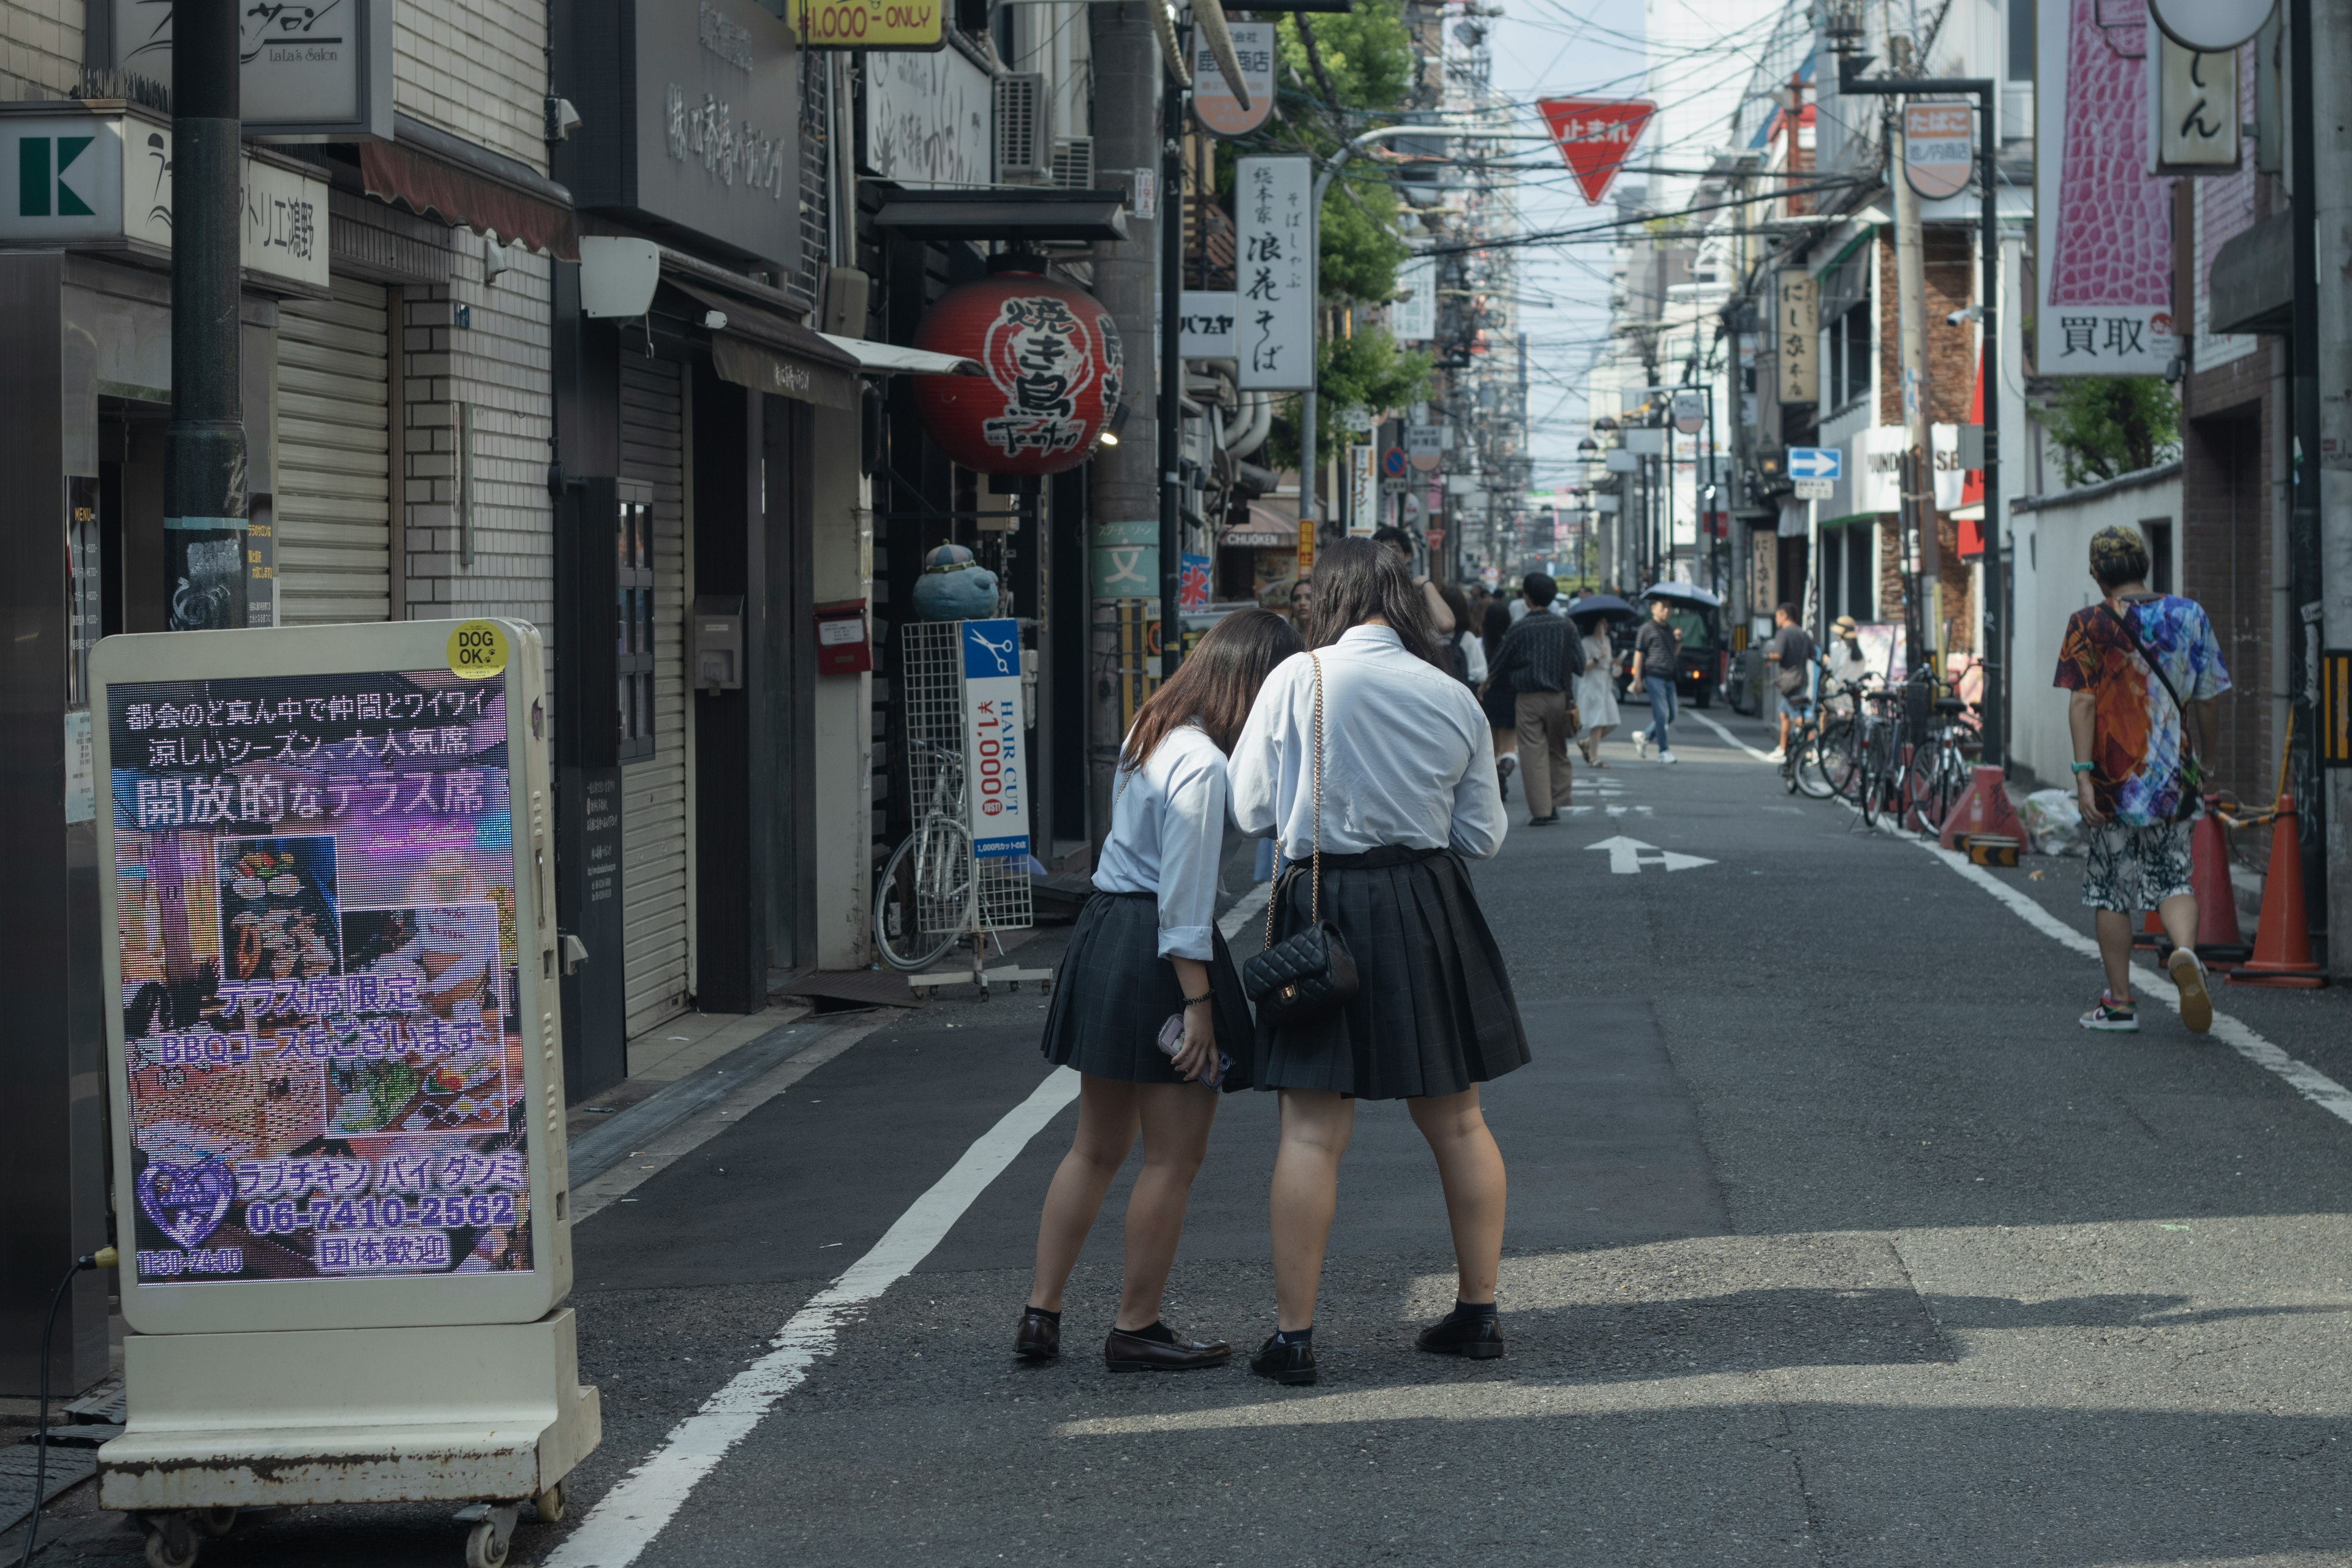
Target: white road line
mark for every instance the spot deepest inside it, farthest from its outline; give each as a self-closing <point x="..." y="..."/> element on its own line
<point x="625" y="1520"/>
<point x="1728" y="738"/>
<point x="1246" y="908"/>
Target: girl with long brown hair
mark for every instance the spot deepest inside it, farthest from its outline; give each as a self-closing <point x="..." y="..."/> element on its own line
<point x="1147" y="951"/>
<point x="1373" y="754"/>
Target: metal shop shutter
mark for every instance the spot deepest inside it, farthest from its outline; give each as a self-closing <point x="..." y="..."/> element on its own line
<point x="334" y="531"/>
<point x="655" y="837"/>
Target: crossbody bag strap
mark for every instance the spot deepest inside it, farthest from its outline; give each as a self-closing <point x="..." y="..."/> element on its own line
<point x="1317" y="902"/>
<point x="2140" y="647"/>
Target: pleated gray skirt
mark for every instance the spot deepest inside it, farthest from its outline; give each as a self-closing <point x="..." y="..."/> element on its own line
<point x="1433" y="1012"/>
<point x="1113" y="992"/>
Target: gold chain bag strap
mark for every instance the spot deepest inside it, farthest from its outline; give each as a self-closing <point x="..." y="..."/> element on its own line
<point x="1310" y="974"/>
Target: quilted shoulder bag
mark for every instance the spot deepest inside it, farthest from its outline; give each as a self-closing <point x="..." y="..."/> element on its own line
<point x="1310" y="974"/>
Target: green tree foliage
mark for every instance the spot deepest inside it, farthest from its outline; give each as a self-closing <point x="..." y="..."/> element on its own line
<point x="1366" y="371"/>
<point x="2109" y="425"/>
<point x="1366" y="52"/>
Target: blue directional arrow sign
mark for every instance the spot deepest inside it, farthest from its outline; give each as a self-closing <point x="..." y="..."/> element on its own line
<point x="1816" y="463"/>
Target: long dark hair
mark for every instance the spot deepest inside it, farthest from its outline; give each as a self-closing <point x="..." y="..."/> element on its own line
<point x="1355" y="580"/>
<point x="1215" y="684"/>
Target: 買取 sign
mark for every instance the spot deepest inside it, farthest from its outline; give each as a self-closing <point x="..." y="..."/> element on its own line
<point x="995" y="786"/>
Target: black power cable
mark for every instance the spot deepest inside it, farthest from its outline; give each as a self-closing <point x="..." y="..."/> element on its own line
<point x="103" y="1257"/>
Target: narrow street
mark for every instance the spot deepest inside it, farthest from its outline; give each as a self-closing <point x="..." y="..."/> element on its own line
<point x="1834" y="1239"/>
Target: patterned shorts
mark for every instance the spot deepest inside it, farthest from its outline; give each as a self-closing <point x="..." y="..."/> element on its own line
<point x="2136" y="869"/>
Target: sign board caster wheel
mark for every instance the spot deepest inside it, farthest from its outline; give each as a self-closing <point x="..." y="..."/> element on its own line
<point x="549" y="1504"/>
<point x="214" y="1522"/>
<point x="493" y="1531"/>
<point x="172" y="1540"/>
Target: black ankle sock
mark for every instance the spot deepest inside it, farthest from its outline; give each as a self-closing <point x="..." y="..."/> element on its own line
<point x="1158" y="1333"/>
<point x="1053" y="1317"/>
<point x="1305" y="1336"/>
<point x="1474" y="1310"/>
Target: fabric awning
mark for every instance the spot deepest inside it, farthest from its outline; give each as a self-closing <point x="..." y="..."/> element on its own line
<point x="890" y="359"/>
<point x="766" y="352"/>
<point x="1268" y="527"/>
<point x="435" y="175"/>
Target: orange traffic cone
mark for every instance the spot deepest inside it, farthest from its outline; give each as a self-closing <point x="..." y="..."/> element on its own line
<point x="2283" y="935"/>
<point x="2219" y="941"/>
<point x="1983" y="808"/>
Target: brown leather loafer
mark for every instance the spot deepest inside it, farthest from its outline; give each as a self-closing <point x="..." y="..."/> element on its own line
<point x="1124" y="1351"/>
<point x="1039" y="1337"/>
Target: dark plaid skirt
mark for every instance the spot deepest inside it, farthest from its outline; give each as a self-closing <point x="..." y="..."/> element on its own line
<point x="1434" y="1012"/>
<point x="1113" y="992"/>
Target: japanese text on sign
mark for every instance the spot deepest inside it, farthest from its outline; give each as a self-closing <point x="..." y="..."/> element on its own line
<point x="1274" y="338"/>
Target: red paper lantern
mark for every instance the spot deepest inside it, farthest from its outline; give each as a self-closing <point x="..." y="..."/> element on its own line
<point x="1054" y="374"/>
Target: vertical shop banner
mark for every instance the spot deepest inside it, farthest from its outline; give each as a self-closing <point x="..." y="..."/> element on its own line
<point x="1798" y="326"/>
<point x="1192" y="593"/>
<point x="996" y="782"/>
<point x="1274" y="338"/>
<point x="2103" y="224"/>
<point x="1414" y="318"/>
<point x="1363" y="492"/>
<point x="316" y="923"/>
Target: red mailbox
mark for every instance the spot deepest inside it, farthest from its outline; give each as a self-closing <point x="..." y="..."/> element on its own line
<point x="843" y="645"/>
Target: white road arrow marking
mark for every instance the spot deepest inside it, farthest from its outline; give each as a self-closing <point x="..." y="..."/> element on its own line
<point x="1636" y="810"/>
<point x="1628" y="856"/>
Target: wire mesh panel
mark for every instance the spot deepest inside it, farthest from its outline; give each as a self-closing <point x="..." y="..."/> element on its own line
<point x="955" y="891"/>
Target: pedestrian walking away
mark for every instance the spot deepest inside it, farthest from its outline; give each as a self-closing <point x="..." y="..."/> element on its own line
<point x="1596" y="690"/>
<point x="1790" y="659"/>
<point x="1542" y="657"/>
<point x="1374" y="770"/>
<point x="1147" y="975"/>
<point x="1464" y="649"/>
<point x="1498" y="699"/>
<point x="1657" y="648"/>
<point x="2140" y="667"/>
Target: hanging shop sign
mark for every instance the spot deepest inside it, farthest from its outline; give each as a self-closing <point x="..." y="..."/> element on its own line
<point x="1938" y="148"/>
<point x="996" y="780"/>
<point x="1798" y="326"/>
<point x="1363" y="490"/>
<point x="2192" y="114"/>
<point x="1207" y="325"/>
<point x="1596" y="135"/>
<point x="1689" y="413"/>
<point x="2103" y="224"/>
<point x="319" y="71"/>
<point x="870" y="24"/>
<point x="103" y="182"/>
<point x="335" y="1057"/>
<point x="1192" y="581"/>
<point x="1414" y="318"/>
<point x="1275" y="336"/>
<point x="927" y="122"/>
<point x="1213" y="103"/>
<point x="1054" y="374"/>
<point x="707" y="109"/>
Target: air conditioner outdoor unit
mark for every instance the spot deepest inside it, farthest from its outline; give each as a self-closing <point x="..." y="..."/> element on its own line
<point x="1073" y="162"/>
<point x="1025" y="128"/>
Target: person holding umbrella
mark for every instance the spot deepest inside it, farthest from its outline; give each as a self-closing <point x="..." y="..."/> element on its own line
<point x="1596" y="687"/>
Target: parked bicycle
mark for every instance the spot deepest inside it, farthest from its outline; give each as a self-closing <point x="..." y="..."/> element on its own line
<point x="925" y="900"/>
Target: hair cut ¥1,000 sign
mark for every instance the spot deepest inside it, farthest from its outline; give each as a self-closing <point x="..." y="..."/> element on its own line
<point x="995" y="780"/>
<point x="316" y="920"/>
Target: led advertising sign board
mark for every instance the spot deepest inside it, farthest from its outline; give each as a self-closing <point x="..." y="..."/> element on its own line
<point x="335" y="1059"/>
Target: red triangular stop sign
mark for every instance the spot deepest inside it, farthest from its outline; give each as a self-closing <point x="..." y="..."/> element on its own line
<point x="1595" y="135"/>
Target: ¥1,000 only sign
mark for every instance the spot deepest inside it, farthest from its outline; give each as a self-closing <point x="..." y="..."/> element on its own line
<point x="996" y="782"/>
<point x="316" y="923"/>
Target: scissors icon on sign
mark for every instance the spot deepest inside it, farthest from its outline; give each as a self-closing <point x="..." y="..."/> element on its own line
<point x="1001" y="652"/>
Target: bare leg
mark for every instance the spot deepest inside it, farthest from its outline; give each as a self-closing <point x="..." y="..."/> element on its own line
<point x="1107" y="1116"/>
<point x="2115" y="933"/>
<point x="2179" y="914"/>
<point x="1471" y="1168"/>
<point x="1176" y="1120"/>
<point x="1316" y="1124"/>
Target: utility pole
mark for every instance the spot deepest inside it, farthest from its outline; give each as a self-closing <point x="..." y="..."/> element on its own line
<point x="204" y="501"/>
<point x="1922" y="600"/>
<point x="2321" y="350"/>
<point x="1171" y="380"/>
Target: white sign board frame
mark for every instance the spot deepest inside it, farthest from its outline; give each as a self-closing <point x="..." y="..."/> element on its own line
<point x="296" y="82"/>
<point x="996" y="775"/>
<point x="1205" y="328"/>
<point x="1274" y="272"/>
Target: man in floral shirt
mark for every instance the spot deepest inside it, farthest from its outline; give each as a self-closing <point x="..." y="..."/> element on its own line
<point x="2139" y="665"/>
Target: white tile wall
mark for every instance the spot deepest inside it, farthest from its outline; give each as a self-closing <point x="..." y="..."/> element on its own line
<point x="475" y="68"/>
<point x="40" y="47"/>
<point x="500" y="365"/>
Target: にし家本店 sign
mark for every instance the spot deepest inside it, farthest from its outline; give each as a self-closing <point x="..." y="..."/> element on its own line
<point x="995" y="781"/>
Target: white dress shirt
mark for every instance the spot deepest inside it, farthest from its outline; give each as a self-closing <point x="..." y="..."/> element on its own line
<point x="1407" y="756"/>
<point x="1167" y="830"/>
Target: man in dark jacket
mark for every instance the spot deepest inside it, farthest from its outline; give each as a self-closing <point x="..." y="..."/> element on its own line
<point x="1540" y="658"/>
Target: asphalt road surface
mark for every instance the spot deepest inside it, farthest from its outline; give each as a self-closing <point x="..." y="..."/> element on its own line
<point x="1832" y="1240"/>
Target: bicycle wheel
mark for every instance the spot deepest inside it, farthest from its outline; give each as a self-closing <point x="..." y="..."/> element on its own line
<point x="1880" y="773"/>
<point x="1840" y="752"/>
<point x="1923" y="800"/>
<point x="898" y="898"/>
<point x="1811" y="766"/>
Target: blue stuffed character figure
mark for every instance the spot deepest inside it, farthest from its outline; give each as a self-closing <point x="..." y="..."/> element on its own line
<point x="954" y="586"/>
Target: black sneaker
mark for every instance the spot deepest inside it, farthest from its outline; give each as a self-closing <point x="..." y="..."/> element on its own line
<point x="1480" y="1338"/>
<point x="1291" y="1361"/>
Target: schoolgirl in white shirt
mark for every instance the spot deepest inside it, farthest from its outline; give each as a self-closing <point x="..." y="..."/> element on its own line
<point x="1146" y="948"/>
<point x="1408" y="793"/>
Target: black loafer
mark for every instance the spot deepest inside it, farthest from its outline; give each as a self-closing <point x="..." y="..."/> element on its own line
<point x="1125" y="1351"/>
<point x="1479" y="1338"/>
<point x="1039" y="1337"/>
<point x="1285" y="1362"/>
